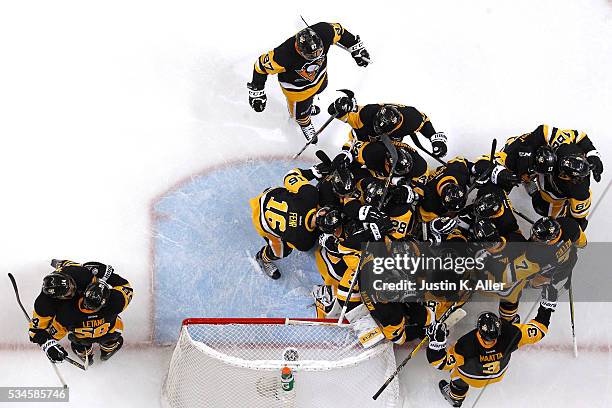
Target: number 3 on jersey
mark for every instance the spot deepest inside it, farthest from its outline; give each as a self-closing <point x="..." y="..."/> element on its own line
<point x="275" y="214"/>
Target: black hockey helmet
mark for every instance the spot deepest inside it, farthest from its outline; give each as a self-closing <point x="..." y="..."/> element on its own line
<point x="574" y="167"/>
<point x="95" y="296"/>
<point x="309" y="44"/>
<point x="488" y="326"/>
<point x="387" y="119"/>
<point x="59" y="285"/>
<point x="544" y="160"/>
<point x="343" y="182"/>
<point x="487" y="205"/>
<point x="546" y="229"/>
<point x="404" y="162"/>
<point x="453" y="196"/>
<point x="484" y="230"/>
<point x="373" y="191"/>
<point x="328" y="218"/>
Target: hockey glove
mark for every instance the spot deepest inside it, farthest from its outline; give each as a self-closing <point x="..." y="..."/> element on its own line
<point x="342" y="106"/>
<point x="342" y="160"/>
<point x="359" y="53"/>
<point x="443" y="225"/>
<point x="54" y="351"/>
<point x="257" y="97"/>
<point x="329" y="242"/>
<point x="504" y="178"/>
<point x="438" y="143"/>
<point x="596" y="164"/>
<point x="437" y="333"/>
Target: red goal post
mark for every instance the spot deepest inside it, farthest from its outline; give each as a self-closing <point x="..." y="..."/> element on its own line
<point x="236" y="362"/>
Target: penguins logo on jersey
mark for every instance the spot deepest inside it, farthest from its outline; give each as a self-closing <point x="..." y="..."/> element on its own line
<point x="310" y="69"/>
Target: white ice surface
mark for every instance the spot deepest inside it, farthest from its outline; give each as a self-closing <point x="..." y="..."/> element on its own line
<point x="104" y="106"/>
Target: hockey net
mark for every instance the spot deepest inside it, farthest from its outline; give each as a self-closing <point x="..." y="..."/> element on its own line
<point x="237" y="363"/>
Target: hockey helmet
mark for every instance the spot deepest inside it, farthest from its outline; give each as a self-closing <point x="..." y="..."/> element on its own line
<point x="374" y="191"/>
<point x="59" y="285"/>
<point x="453" y="196"/>
<point x="487" y="205"/>
<point x="328" y="219"/>
<point x="544" y="160"/>
<point x="574" y="167"/>
<point x="387" y="119"/>
<point x="488" y="326"/>
<point x="309" y="44"/>
<point x="404" y="162"/>
<point x="343" y="182"/>
<point x="546" y="229"/>
<point x="95" y="296"/>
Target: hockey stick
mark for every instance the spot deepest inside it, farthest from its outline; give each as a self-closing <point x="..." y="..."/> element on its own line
<point x="523" y="216"/>
<point x="399" y="368"/>
<point x="314" y="138"/>
<point x="571" y="306"/>
<point x="329" y="120"/>
<point x="393" y="153"/>
<point x="418" y="144"/>
<point x="71" y="361"/>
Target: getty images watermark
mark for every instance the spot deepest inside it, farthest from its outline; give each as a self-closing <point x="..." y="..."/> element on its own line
<point x="409" y="264"/>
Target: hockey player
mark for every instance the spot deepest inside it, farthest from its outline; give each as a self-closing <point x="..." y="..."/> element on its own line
<point x="290" y="218"/>
<point x="482" y="356"/>
<point x="445" y="192"/>
<point x="301" y="65"/>
<point x="69" y="279"/>
<point x="545" y="135"/>
<point x="87" y="318"/>
<point x="566" y="191"/>
<point x="397" y="121"/>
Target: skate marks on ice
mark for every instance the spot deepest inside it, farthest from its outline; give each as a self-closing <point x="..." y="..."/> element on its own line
<point x="202" y="235"/>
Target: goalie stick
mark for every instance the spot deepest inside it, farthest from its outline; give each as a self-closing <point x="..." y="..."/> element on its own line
<point x="71" y="361"/>
<point x="393" y="158"/>
<point x="455" y="308"/>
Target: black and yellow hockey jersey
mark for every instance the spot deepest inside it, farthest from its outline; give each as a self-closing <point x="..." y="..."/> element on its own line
<point x="412" y="121"/>
<point x="288" y="212"/>
<point x="295" y="73"/>
<point x="456" y="171"/>
<point x="478" y="363"/>
<point x="46" y="308"/>
<point x="72" y="317"/>
<point x="374" y="156"/>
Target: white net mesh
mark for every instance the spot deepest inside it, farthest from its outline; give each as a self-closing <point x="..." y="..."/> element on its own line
<point x="239" y="365"/>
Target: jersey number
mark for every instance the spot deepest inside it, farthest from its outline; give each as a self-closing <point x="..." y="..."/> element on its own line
<point x="275" y="214"/>
<point x="91" y="332"/>
<point x="491" y="368"/>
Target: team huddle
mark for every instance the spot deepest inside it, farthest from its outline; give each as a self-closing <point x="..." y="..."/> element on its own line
<point x="83" y="302"/>
<point x="379" y="188"/>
